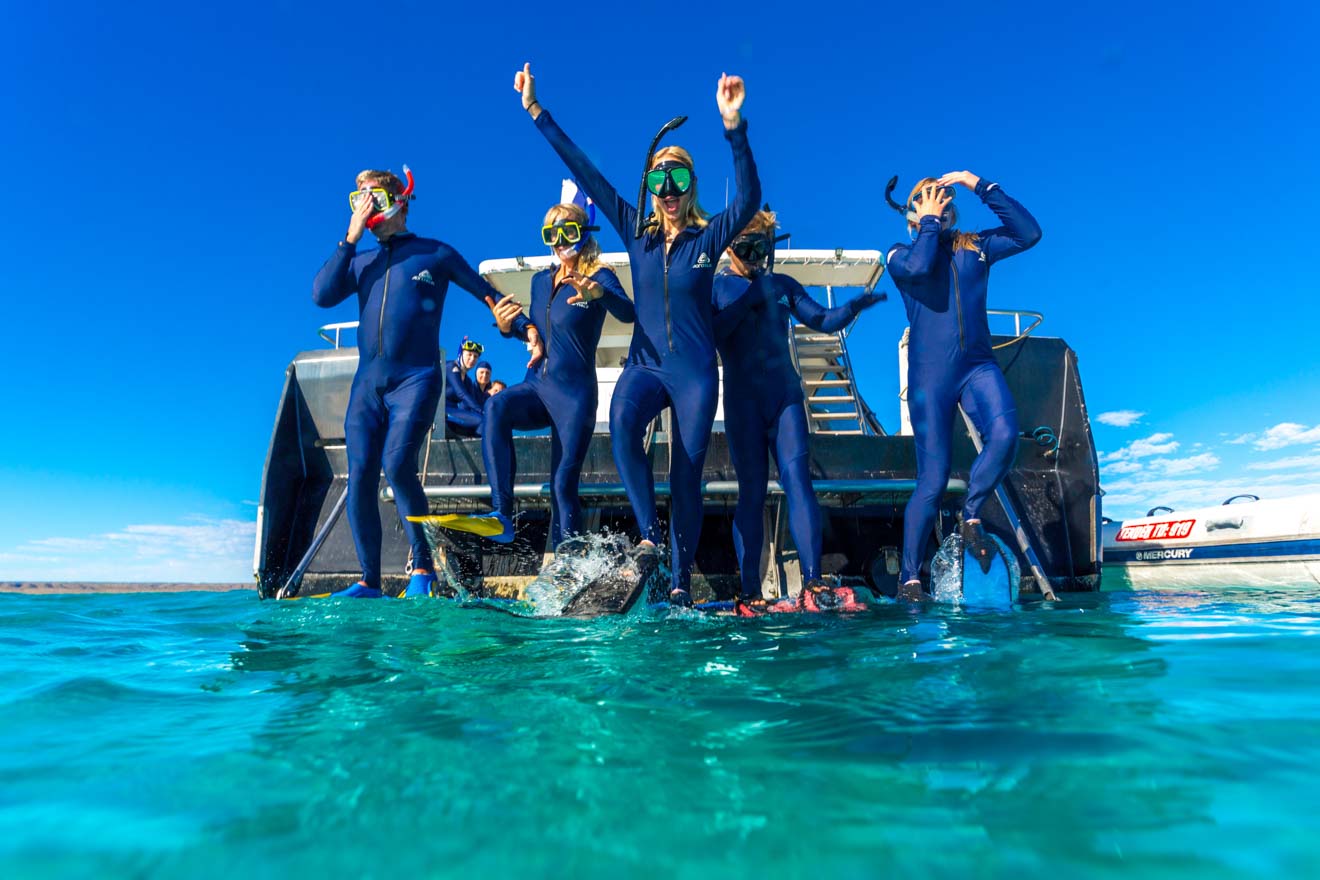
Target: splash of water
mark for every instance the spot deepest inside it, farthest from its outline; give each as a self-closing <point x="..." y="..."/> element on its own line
<point x="578" y="563"/>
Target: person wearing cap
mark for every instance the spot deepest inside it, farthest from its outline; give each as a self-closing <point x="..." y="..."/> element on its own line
<point x="464" y="401"/>
<point x="400" y="288"/>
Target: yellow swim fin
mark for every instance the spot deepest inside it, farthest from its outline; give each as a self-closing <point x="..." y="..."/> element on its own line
<point x="487" y="525"/>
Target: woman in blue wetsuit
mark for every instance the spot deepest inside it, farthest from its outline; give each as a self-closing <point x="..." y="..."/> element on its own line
<point x="568" y="307"/>
<point x="763" y="399"/>
<point x="671" y="361"/>
<point x="942" y="275"/>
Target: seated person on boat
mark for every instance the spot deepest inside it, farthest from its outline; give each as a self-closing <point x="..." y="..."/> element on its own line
<point x="464" y="401"/>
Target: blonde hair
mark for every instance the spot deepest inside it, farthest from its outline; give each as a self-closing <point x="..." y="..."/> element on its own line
<point x="962" y="241"/>
<point x="694" y="215"/>
<point x="387" y="180"/>
<point x="762" y="223"/>
<point x="589" y="254"/>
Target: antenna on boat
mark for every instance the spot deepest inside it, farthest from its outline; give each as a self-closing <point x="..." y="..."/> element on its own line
<point x="641" y="190"/>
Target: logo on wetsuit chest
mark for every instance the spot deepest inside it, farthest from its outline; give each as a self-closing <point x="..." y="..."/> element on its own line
<point x="424" y="277"/>
<point x="703" y="261"/>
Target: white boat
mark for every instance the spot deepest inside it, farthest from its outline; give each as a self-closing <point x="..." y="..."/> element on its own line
<point x="1244" y="542"/>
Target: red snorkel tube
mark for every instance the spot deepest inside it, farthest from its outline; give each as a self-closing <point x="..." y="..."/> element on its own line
<point x="376" y="219"/>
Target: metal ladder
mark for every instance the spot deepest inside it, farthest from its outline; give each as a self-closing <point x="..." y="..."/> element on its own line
<point x="834" y="403"/>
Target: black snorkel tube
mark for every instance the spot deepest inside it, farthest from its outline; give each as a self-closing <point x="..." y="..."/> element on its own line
<point x="889" y="196"/>
<point x="650" y="153"/>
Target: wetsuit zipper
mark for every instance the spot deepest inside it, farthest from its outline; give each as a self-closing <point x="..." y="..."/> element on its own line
<point x="957" y="298"/>
<point x="545" y="350"/>
<point x="380" y="327"/>
<point x="669" y="330"/>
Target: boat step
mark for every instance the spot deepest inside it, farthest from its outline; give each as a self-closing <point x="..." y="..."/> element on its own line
<point x="819" y="351"/>
<point x="834" y="417"/>
<point x="841" y="398"/>
<point x="827" y="383"/>
<point x="817" y="339"/>
<point x="853" y="433"/>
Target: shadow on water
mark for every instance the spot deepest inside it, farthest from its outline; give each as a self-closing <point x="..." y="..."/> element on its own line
<point x="1109" y="734"/>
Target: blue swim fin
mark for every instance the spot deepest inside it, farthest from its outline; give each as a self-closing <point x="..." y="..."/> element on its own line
<point x="987" y="574"/>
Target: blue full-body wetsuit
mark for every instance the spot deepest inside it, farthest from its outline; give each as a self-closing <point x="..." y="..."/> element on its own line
<point x="951" y="360"/>
<point x="671" y="361"/>
<point x="559" y="393"/>
<point x="464" y="402"/>
<point x="401" y="290"/>
<point x="764" y="409"/>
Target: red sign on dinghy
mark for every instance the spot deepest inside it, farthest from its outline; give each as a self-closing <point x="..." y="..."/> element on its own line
<point x="1161" y="531"/>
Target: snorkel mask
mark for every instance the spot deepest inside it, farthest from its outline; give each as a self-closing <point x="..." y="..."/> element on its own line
<point x="642" y="217"/>
<point x="571" y="233"/>
<point x="756" y="250"/>
<point x="387" y="203"/>
<point x="669" y="179"/>
<point x="909" y="211"/>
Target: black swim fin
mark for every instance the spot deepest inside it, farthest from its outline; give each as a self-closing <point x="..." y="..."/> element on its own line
<point x="978" y="545"/>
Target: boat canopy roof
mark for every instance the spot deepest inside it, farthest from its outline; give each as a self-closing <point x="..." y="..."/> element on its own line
<point x="811" y="268"/>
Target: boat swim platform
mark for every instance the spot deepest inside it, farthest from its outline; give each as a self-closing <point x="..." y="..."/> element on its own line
<point x="863" y="475"/>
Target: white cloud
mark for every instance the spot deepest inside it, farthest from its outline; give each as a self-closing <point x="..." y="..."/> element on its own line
<point x="1155" y="444"/>
<point x="1295" y="462"/>
<point x="1122" y="467"/>
<point x="1176" y="466"/>
<point x="201" y="550"/>
<point x="1121" y="418"/>
<point x="1287" y="434"/>
<point x="1132" y="497"/>
<point x="1241" y="439"/>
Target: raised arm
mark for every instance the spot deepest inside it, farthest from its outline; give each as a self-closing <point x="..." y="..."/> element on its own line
<point x="617" y="211"/>
<point x="726" y="225"/>
<point x="1019" y="231"/>
<point x="815" y="315"/>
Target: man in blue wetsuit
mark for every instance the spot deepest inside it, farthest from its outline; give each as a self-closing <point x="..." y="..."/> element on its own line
<point x="401" y="290"/>
<point x="942" y="276"/>
<point x="763" y="400"/>
<point x="464" y="402"/>
<point x="671" y="361"/>
<point x="568" y="307"/>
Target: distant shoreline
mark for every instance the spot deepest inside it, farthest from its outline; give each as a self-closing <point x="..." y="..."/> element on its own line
<point x="40" y="588"/>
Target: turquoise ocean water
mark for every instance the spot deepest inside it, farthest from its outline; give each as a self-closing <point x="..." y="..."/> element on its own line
<point x="209" y="735"/>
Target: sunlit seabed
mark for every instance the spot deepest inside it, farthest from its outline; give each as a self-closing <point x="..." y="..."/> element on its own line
<point x="210" y="735"/>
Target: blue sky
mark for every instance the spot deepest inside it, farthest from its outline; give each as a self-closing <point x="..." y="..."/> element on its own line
<point x="179" y="174"/>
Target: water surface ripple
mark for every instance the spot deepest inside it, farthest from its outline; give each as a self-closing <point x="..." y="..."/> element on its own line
<point x="210" y="735"/>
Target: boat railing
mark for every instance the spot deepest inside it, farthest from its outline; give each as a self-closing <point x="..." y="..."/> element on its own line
<point x="325" y="330"/>
<point x="1018" y="316"/>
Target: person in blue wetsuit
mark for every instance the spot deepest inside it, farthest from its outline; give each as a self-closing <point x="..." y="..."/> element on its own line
<point x="764" y="408"/>
<point x="401" y="289"/>
<point x="483" y="380"/>
<point x="942" y="275"/>
<point x="464" y="402"/>
<point x="671" y="361"/>
<point x="568" y="308"/>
